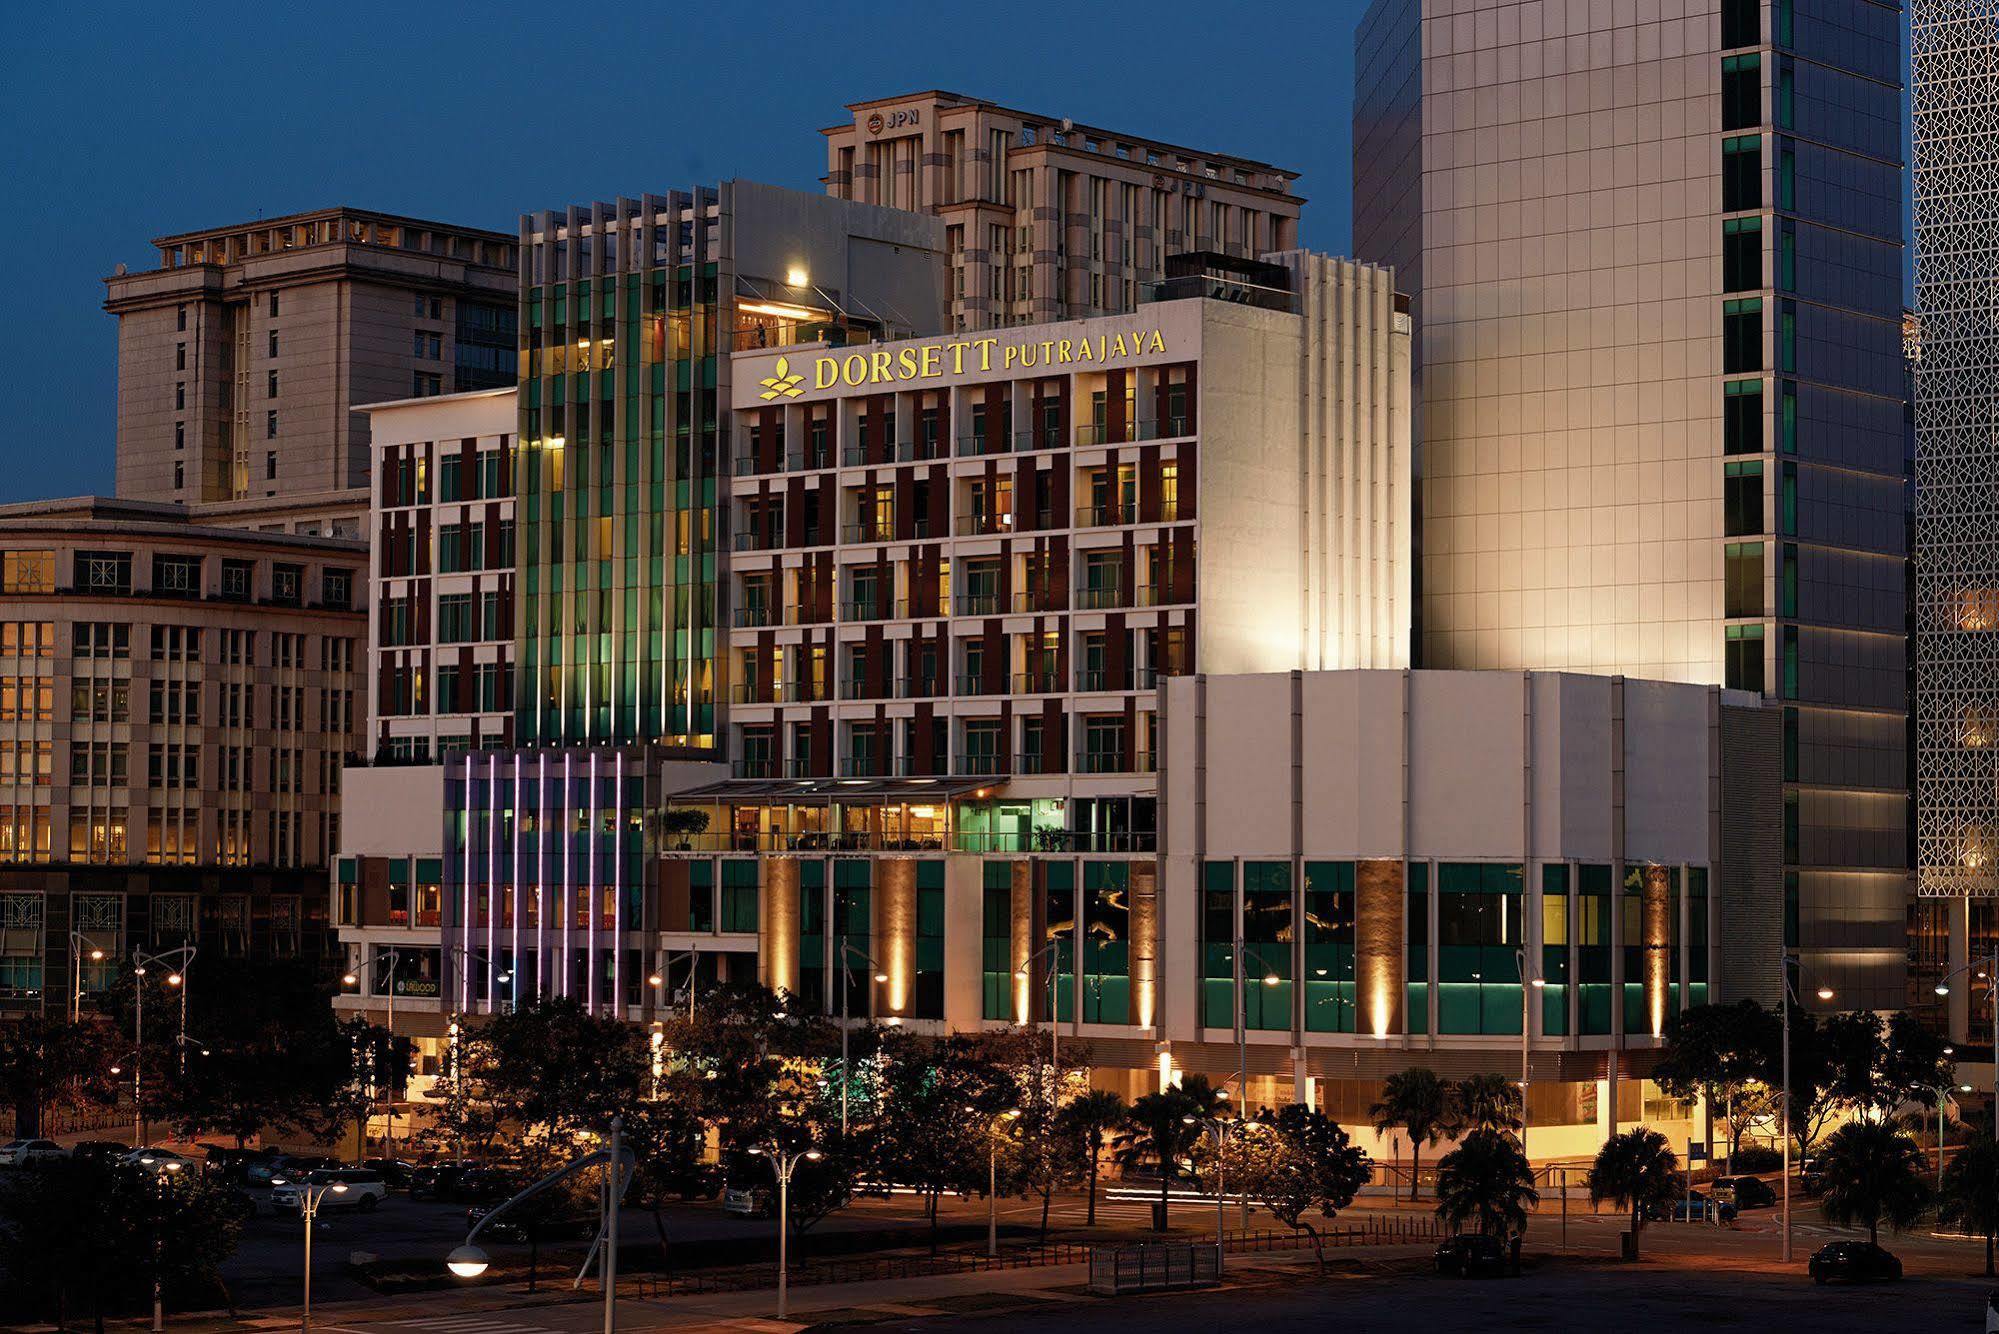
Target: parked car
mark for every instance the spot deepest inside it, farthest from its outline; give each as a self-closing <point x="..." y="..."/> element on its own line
<point x="1854" y="1262"/>
<point x="510" y="1228"/>
<point x="488" y="1185"/>
<point x="1472" y="1255"/>
<point x="364" y="1191"/>
<point x="99" y="1151"/>
<point x="152" y="1158"/>
<point x="1701" y="1208"/>
<point x="1811" y="1176"/>
<point x="1992" y="1313"/>
<point x="21" y="1152"/>
<point x="395" y="1171"/>
<point x="749" y="1201"/>
<point x="1745" y="1192"/>
<point x="434" y="1181"/>
<point x="291" y="1165"/>
<point x="233" y="1165"/>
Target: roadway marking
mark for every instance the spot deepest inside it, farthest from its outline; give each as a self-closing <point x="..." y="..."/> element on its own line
<point x="469" y="1324"/>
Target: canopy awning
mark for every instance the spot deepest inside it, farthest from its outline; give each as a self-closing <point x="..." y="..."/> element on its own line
<point x="832" y="791"/>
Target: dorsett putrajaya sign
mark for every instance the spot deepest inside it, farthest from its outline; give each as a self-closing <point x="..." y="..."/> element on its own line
<point x="790" y="376"/>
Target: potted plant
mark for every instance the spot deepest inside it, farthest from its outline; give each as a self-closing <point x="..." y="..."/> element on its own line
<point x="683" y="823"/>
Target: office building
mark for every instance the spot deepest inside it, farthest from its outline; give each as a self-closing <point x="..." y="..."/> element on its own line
<point x="1955" y="920"/>
<point x="244" y="356"/>
<point x="176" y="702"/>
<point x="1653" y="254"/>
<point x="1049" y="220"/>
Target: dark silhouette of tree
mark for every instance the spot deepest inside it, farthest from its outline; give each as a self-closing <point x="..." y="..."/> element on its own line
<point x="1486" y="1179"/>
<point x="46" y="1062"/>
<point x="1420" y="1105"/>
<point x="934" y="1125"/>
<point x="1296" y="1163"/>
<point x="1636" y="1171"/>
<point x="1163" y="1128"/>
<point x="1088" y="1122"/>
<point x="1971" y="1192"/>
<point x="1487" y="1102"/>
<point x="1873" y="1174"/>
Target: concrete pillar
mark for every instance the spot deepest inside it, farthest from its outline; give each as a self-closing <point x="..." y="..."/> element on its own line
<point x="1379" y="904"/>
<point x="1021" y="938"/>
<point x="895" y="932"/>
<point x="777" y="924"/>
<point x="1144" y="943"/>
<point x="1655" y="906"/>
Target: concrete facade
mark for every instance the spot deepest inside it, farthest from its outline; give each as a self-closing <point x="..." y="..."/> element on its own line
<point x="243" y="357"/>
<point x="1049" y="220"/>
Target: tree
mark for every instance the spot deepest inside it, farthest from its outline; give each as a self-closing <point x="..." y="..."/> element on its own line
<point x="556" y="1069"/>
<point x="1971" y="1192"/>
<point x="1912" y="1065"/>
<point x="1040" y="1161"/>
<point x="1636" y="1171"/>
<point x="1087" y="1123"/>
<point x="1296" y="1163"/>
<point x="1163" y="1128"/>
<point x="1721" y="1052"/>
<point x="1873" y="1174"/>
<point x="1487" y="1102"/>
<point x="934" y="1126"/>
<point x="1487" y="1179"/>
<point x="47" y="1062"/>
<point x="1813" y="1099"/>
<point x="1419" y="1104"/>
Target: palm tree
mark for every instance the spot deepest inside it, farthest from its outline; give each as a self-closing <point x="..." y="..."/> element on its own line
<point x="1489" y="1102"/>
<point x="1873" y="1174"/>
<point x="1087" y="1122"/>
<point x="1636" y="1171"/>
<point x="1420" y="1105"/>
<point x="1971" y="1191"/>
<point x="1486" y="1178"/>
<point x="1164" y="1127"/>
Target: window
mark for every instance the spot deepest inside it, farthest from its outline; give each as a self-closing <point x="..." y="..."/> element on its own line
<point x="180" y="396"/>
<point x="274" y="343"/>
<point x="180" y="319"/>
<point x="1787" y="336"/>
<point x="104" y="571"/>
<point x="1741" y="173"/>
<point x="274" y="305"/>
<point x="1742" y="417"/>
<point x="236" y="579"/>
<point x="1741" y="92"/>
<point x="180" y="356"/>
<point x="337" y="588"/>
<point x="271" y="433"/>
<point x="1741" y="23"/>
<point x="1742" y="335"/>
<point x="426" y="384"/>
<point x="1479" y="928"/>
<point x="1787" y="578"/>
<point x="286" y="581"/>
<point x="1742" y="498"/>
<point x="270" y="384"/>
<point x="28" y="572"/>
<point x="1742" y="591"/>
<point x="454" y="618"/>
<point x="1741" y="254"/>
<point x="177" y="576"/>
<point x="180" y="435"/>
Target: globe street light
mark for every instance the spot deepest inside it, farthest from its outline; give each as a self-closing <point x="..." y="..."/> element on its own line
<point x="309" y="1200"/>
<point x="784" y="1165"/>
<point x="77" y="941"/>
<point x="1824" y="993"/>
<point x="1988" y="973"/>
<point x="158" y="1186"/>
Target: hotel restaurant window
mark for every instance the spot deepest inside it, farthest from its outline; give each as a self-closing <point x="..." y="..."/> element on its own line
<point x="1479" y="928"/>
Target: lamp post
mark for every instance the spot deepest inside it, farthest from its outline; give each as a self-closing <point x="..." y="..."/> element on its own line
<point x="658" y="980"/>
<point x="784" y="1165"/>
<point x="395" y="958"/>
<point x="1988" y="972"/>
<point x="1026" y="972"/>
<point x="505" y="976"/>
<point x="1528" y="986"/>
<point x="309" y="1199"/>
<point x="1271" y="979"/>
<point x="1218" y="1129"/>
<point x="467" y="1260"/>
<point x="1825" y="994"/>
<point x="77" y="942"/>
<point x="158" y="1187"/>
<point x="847" y="948"/>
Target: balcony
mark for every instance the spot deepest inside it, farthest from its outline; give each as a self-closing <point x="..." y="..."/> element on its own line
<point x="810" y="459"/>
<point x="1099" y="599"/>
<point x="754" y="541"/>
<point x="983" y="525"/>
<point x="874" y="609"/>
<point x="756" y="617"/>
<point x="1037" y="683"/>
<point x="1112" y="762"/>
<point x="919" y="687"/>
<point x="1032" y="763"/>
<point x="979" y="604"/>
<point x="1094" y="681"/>
<point x="1046" y="437"/>
<point x="1105" y="516"/>
<point x="1166" y="428"/>
<point x="1058" y="840"/>
<point x="979" y="766"/>
<point x="975" y="684"/>
<point x="1048" y="600"/>
<point x="981" y="443"/>
<point x="853" y="534"/>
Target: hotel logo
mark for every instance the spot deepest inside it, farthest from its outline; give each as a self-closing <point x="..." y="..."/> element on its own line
<point x="781" y="383"/>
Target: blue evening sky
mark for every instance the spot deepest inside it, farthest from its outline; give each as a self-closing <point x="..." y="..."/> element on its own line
<point x="126" y="123"/>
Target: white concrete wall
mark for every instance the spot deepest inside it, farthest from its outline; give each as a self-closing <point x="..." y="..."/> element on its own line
<point x="392" y="812"/>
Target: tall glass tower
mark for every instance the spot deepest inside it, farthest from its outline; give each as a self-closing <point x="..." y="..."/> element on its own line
<point x="1955" y="44"/>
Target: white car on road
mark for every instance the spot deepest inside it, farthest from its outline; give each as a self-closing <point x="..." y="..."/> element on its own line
<point x="20" y="1152"/>
<point x="364" y="1190"/>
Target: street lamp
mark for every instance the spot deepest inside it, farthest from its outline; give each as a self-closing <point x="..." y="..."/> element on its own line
<point x="394" y="956"/>
<point x="847" y="948"/>
<point x="1988" y="973"/>
<point x="657" y="980"/>
<point x="77" y="941"/>
<point x="1219" y="1130"/>
<point x="783" y="1165"/>
<point x="1529" y="985"/>
<point x="1243" y="953"/>
<point x="992" y="1179"/>
<point x="158" y="1187"/>
<point x="467" y="1260"/>
<point x="309" y="1199"/>
<point x="183" y="956"/>
<point x="503" y="976"/>
<point x="1824" y="993"/>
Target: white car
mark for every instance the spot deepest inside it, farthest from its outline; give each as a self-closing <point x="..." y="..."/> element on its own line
<point x="364" y="1190"/>
<point x="20" y="1152"/>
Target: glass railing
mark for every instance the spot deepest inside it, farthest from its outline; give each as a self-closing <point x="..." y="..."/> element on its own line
<point x="1098" y="599"/>
<point x="1037" y="683"/>
<point x="969" y="684"/>
<point x="979" y="766"/>
<point x="1098" y="433"/>
<point x="979" y="604"/>
<point x="980" y="443"/>
<point x="1047" y="437"/>
<point x="753" y="617"/>
<point x="1047" y="600"/>
<point x="1105" y="516"/>
<point x="810" y="459"/>
<point x="754" y="541"/>
<point x="877" y="609"/>
<point x="982" y="525"/>
<point x="1055" y="840"/>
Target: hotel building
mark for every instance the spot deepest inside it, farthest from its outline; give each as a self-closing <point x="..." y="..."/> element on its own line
<point x="244" y="357"/>
<point x="176" y="702"/>
<point x="1049" y="220"/>
<point x="1956" y="915"/>
<point x="1654" y="254"/>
